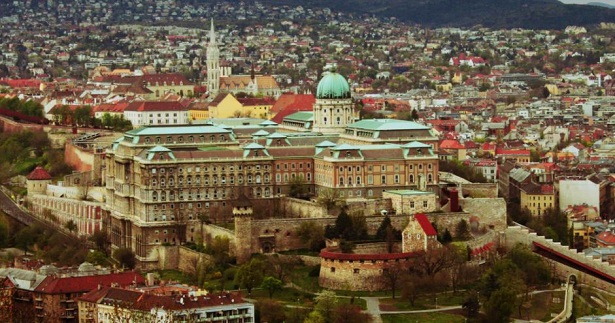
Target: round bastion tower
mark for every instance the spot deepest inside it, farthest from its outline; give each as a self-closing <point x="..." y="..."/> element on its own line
<point x="334" y="108"/>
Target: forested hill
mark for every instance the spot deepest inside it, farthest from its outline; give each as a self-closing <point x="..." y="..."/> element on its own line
<point x="531" y="14"/>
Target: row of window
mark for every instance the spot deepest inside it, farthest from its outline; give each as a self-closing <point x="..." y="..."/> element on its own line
<point x="197" y="169"/>
<point x="180" y="139"/>
<point x="257" y="179"/>
<point x="383" y="179"/>
<point x="278" y="177"/>
<point x="293" y="166"/>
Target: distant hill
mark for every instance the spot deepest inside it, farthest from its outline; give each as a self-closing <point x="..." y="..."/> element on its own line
<point x="535" y="14"/>
<point x="601" y="4"/>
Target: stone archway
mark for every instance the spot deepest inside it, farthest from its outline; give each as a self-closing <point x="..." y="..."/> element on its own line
<point x="267" y="244"/>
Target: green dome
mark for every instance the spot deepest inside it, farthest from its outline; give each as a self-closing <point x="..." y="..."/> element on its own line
<point x="333" y="86"/>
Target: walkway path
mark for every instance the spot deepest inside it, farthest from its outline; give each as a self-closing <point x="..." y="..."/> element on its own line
<point x="373" y="308"/>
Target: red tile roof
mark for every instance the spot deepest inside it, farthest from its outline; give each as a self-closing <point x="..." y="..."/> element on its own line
<point x="155" y="106"/>
<point x="39" y="173"/>
<point x="290" y="103"/>
<point x="607" y="238"/>
<point x="145" y="302"/>
<point x="451" y="144"/>
<point x="83" y="284"/>
<point x="425" y="224"/>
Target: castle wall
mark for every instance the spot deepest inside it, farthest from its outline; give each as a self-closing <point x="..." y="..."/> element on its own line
<point x="355" y="275"/>
<point x="302" y="208"/>
<point x="251" y="234"/>
<point x="480" y="190"/>
<point x="514" y="235"/>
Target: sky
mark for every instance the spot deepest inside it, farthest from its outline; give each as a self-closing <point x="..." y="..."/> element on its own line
<point x="611" y="2"/>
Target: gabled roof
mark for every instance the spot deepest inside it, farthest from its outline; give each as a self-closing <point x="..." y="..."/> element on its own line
<point x="39" y="173"/>
<point x="82" y="284"/>
<point x="425" y="224"/>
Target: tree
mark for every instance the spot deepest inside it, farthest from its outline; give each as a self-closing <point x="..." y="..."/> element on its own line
<point x="462" y="230"/>
<point x="326" y="303"/>
<point x="393" y="273"/>
<point x="471" y="304"/>
<point x="298" y="187"/>
<point x="71" y="226"/>
<point x="24" y="239"/>
<point x="343" y="226"/>
<point x="311" y="235"/>
<point x="431" y="263"/>
<point x="272" y="285"/>
<point x="382" y="229"/>
<point x="4" y="234"/>
<point x="349" y="313"/>
<point x="250" y="275"/>
<point x="328" y="198"/>
<point x="270" y="311"/>
<point x="219" y="248"/>
<point x="101" y="241"/>
<point x="126" y="257"/>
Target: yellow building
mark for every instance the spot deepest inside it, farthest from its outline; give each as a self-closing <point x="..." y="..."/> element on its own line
<point x="225" y="105"/>
<point x="537" y="198"/>
<point x="198" y="111"/>
<point x="161" y="84"/>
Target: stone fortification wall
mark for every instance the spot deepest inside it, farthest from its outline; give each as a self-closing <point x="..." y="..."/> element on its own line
<point x="356" y="272"/>
<point x="480" y="190"/>
<point x="375" y="248"/>
<point x="251" y="235"/>
<point x="302" y="209"/>
<point x="190" y="259"/>
<point x="168" y="258"/>
<point x="211" y="231"/>
<point x="298" y="208"/>
<point x="490" y="211"/>
<point x="514" y="235"/>
<point x="178" y="257"/>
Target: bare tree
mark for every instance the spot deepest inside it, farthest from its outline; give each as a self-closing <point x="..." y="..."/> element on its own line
<point x="392" y="273"/>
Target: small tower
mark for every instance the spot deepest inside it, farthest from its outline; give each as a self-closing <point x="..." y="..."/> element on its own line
<point x="213" y="64"/>
<point x="242" y="211"/>
<point x="38" y="180"/>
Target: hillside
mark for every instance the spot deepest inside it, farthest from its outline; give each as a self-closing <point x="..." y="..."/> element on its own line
<point x="535" y="14"/>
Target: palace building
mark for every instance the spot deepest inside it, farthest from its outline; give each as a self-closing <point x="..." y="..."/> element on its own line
<point x="161" y="180"/>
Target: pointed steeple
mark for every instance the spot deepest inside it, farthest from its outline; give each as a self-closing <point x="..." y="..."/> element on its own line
<point x="212" y="33"/>
<point x="213" y="63"/>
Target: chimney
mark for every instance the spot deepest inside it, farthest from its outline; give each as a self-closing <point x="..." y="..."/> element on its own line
<point x="454" y="200"/>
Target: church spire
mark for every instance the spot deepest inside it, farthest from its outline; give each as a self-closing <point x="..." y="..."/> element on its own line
<point x="213" y="63"/>
<point x="212" y="33"/>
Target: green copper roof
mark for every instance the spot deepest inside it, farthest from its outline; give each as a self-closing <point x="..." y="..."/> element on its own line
<point x="416" y="144"/>
<point x="333" y="86"/>
<point x="301" y="116"/>
<point x="388" y="124"/>
<point x="326" y="143"/>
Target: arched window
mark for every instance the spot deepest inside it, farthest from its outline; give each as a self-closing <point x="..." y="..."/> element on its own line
<point x="411" y="178"/>
<point x="341" y="181"/>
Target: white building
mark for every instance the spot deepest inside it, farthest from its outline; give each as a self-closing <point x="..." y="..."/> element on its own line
<point x="142" y="113"/>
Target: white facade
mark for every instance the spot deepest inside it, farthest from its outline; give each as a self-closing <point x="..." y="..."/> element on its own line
<point x="333" y="115"/>
<point x="144" y="118"/>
